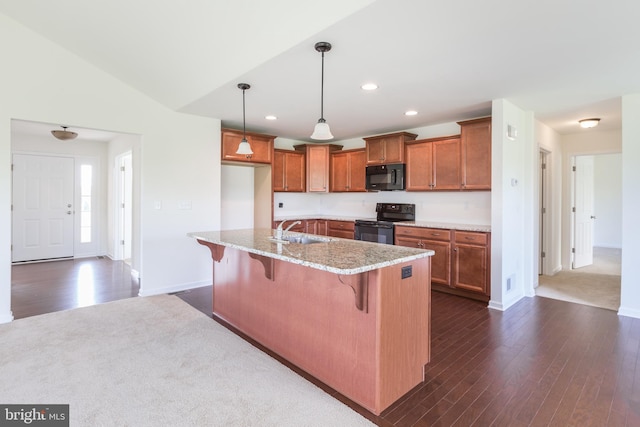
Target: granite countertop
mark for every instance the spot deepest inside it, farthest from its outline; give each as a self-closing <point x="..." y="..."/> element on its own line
<point x="447" y="225"/>
<point x="336" y="255"/>
<point x="428" y="224"/>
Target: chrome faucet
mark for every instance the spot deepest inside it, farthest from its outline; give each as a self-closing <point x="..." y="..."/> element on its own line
<point x="280" y="232"/>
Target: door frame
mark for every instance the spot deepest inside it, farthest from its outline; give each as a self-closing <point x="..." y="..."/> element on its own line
<point x="123" y="214"/>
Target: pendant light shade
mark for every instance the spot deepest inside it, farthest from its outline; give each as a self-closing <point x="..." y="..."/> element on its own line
<point x="244" y="147"/>
<point x="64" y="134"/>
<point x="321" y="131"/>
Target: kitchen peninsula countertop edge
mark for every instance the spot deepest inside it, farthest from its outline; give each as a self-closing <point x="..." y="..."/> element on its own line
<point x="340" y="256"/>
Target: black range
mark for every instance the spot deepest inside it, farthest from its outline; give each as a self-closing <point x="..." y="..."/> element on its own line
<point x="381" y="230"/>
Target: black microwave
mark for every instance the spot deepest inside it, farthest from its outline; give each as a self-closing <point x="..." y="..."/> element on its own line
<point x="385" y="177"/>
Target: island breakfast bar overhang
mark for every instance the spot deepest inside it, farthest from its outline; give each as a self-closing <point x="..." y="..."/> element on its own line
<point x="355" y="315"/>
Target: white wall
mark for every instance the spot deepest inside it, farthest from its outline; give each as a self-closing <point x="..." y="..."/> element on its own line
<point x="237" y="197"/>
<point x="550" y="141"/>
<point x="180" y="154"/>
<point x="607" y="195"/>
<point x="513" y="197"/>
<point x="630" y="295"/>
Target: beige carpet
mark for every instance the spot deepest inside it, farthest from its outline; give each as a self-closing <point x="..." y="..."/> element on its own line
<point x="155" y="361"/>
<point x="596" y="285"/>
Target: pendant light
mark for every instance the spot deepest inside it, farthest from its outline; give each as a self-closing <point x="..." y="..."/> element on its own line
<point x="64" y="134"/>
<point x="244" y="147"/>
<point x="322" y="131"/>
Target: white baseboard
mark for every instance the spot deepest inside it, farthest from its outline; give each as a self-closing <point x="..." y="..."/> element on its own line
<point x="171" y="289"/>
<point x="7" y="317"/>
<point x="629" y="312"/>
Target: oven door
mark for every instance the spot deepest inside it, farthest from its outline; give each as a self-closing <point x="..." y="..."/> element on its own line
<point x="372" y="231"/>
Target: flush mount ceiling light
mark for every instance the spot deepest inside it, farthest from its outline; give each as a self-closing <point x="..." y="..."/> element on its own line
<point x="244" y="147"/>
<point x="369" y="86"/>
<point x="64" y="134"/>
<point x="589" y="123"/>
<point x="322" y="131"/>
<point x="411" y="113"/>
<point x="270" y="117"/>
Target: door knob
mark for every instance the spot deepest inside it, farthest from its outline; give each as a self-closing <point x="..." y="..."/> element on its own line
<point x="68" y="212"/>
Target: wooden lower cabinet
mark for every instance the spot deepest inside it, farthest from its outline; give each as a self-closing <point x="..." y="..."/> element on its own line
<point x="344" y="229"/>
<point x="460" y="264"/>
<point x="471" y="253"/>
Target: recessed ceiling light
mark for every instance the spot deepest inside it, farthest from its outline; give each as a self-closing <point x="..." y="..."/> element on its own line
<point x="369" y="86"/>
<point x="411" y="113"/>
<point x="271" y="117"/>
<point x="589" y="123"/>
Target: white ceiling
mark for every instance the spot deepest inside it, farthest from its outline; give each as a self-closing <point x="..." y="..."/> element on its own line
<point x="447" y="59"/>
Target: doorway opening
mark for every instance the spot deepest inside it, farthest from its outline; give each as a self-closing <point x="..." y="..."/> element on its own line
<point x="63" y="194"/>
<point x="593" y="276"/>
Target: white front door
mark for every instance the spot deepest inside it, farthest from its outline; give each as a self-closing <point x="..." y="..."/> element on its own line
<point x="584" y="213"/>
<point x="43" y="211"/>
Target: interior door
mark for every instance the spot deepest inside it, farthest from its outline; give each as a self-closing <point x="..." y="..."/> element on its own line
<point x="584" y="213"/>
<point x="43" y="212"/>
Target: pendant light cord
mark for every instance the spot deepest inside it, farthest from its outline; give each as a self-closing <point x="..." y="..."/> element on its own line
<point x="244" y="127"/>
<point x="322" y="90"/>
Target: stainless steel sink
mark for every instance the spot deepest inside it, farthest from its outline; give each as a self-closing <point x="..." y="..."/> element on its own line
<point x="304" y="240"/>
<point x="301" y="239"/>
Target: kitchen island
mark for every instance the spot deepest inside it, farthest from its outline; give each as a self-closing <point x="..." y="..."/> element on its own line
<point x="355" y="315"/>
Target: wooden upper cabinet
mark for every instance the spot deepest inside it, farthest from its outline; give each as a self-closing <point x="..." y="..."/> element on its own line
<point x="433" y="164"/>
<point x="288" y="171"/>
<point x="317" y="165"/>
<point x="348" y="171"/>
<point x="387" y="149"/>
<point x="476" y="154"/>
<point x="419" y="170"/>
<point x="262" y="146"/>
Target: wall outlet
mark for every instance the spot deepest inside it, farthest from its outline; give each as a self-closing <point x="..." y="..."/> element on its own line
<point x="407" y="271"/>
<point x="281" y="205"/>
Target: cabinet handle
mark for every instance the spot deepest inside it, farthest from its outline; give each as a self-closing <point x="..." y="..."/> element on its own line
<point x="469" y="238"/>
<point x="435" y="234"/>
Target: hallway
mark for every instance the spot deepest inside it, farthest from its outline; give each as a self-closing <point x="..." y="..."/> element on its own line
<point x="597" y="285"/>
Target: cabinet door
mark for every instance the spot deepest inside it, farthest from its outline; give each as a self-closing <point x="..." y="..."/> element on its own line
<point x="440" y="261"/>
<point x="375" y="151"/>
<point x="262" y="147"/>
<point x="394" y="150"/>
<point x="321" y="227"/>
<point x="230" y="142"/>
<point x="476" y="154"/>
<point x="311" y="226"/>
<point x="408" y="242"/>
<point x="318" y="169"/>
<point x="357" y="168"/>
<point x="294" y="172"/>
<point x="446" y="164"/>
<point x="278" y="170"/>
<point x="470" y="267"/>
<point x="339" y="172"/>
<point x="419" y="170"/>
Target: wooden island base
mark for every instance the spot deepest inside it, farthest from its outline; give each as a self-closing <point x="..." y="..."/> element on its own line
<point x="366" y="335"/>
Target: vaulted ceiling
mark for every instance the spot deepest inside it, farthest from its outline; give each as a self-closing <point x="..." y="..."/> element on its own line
<point x="446" y="59"/>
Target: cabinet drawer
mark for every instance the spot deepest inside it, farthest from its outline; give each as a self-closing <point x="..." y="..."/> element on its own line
<point x="341" y="225"/>
<point x="470" y="237"/>
<point x="423" y="233"/>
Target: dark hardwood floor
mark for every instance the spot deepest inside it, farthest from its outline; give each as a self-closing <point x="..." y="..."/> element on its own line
<point x="62" y="285"/>
<point x="541" y="363"/>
